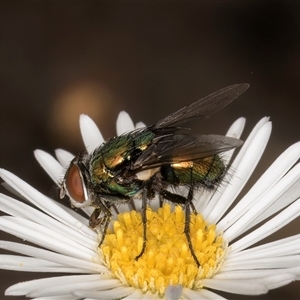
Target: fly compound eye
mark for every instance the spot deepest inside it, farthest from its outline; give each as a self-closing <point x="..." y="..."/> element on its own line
<point x="74" y="185"/>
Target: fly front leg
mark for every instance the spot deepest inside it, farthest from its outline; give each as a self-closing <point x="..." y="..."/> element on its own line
<point x="102" y="222"/>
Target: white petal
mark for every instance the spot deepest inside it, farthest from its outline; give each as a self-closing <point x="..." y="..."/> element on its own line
<point x="242" y="287"/>
<point x="138" y="294"/>
<point x="191" y="294"/>
<point x="64" y="157"/>
<point x="201" y="294"/>
<point x="65" y="289"/>
<point x="275" y="281"/>
<point x="124" y="123"/>
<point x="23" y="288"/>
<point x="49" y="256"/>
<point x="249" y="274"/>
<point x="90" y="133"/>
<point x="115" y="293"/>
<point x="235" y="131"/>
<point x="73" y="213"/>
<point x="273" y="225"/>
<point x="64" y="297"/>
<point x="237" y="128"/>
<point x="263" y="263"/>
<point x="251" y="137"/>
<point x="140" y="125"/>
<point x="54" y="169"/>
<point x="29" y="264"/>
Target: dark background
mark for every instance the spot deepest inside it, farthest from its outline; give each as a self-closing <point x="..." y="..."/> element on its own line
<point x="60" y="59"/>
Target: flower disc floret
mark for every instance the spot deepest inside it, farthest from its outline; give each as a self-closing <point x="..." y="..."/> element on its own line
<point x="167" y="259"/>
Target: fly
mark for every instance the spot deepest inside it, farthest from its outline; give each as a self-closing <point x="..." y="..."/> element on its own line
<point x="147" y="161"/>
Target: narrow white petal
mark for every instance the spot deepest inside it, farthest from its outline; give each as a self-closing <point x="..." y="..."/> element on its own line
<point x="277" y="170"/>
<point x="273" y="225"/>
<point x="65" y="289"/>
<point x="210" y="295"/>
<point x="264" y="263"/>
<point x="190" y="295"/>
<point x="149" y="296"/>
<point x="64" y="157"/>
<point x="249" y="274"/>
<point x="16" y="208"/>
<point x="251" y="137"/>
<point x="140" y="125"/>
<point x="50" y="256"/>
<point x="243" y="168"/>
<point x="235" y="131"/>
<point x="12" y="191"/>
<point x="276" y="281"/>
<point x="23" y="288"/>
<point x="116" y="293"/>
<point x="138" y="294"/>
<point x="295" y="271"/>
<point x="30" y="264"/>
<point x="44" y="237"/>
<point x="64" y="297"/>
<point x="90" y="133"/>
<point x="257" y="212"/>
<point x="53" y="168"/>
<point x="74" y="214"/>
<point x="237" y="128"/>
<point x="242" y="287"/>
<point x="124" y="123"/>
<point x="201" y="294"/>
<point x="44" y="203"/>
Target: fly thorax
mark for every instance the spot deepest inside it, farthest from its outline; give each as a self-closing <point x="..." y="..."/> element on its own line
<point x="99" y="172"/>
<point x="126" y="188"/>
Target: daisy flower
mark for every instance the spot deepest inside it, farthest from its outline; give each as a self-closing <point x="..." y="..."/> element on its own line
<point x="224" y="234"/>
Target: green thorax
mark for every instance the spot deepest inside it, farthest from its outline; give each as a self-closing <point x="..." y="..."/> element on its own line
<point x="114" y="157"/>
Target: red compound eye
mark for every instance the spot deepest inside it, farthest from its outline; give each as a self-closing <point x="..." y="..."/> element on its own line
<point x="74" y="184"/>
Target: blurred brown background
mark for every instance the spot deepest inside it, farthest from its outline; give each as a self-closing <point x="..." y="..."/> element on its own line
<point x="60" y="59"/>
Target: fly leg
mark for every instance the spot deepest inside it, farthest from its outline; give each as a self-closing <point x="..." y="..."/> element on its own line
<point x="187" y="202"/>
<point x="102" y="222"/>
<point x="144" y="220"/>
<point x="187" y="229"/>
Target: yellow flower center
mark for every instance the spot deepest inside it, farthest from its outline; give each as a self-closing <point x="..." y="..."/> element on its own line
<point x="167" y="259"/>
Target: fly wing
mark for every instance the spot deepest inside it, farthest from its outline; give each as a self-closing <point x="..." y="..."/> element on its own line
<point x="202" y="108"/>
<point x="182" y="147"/>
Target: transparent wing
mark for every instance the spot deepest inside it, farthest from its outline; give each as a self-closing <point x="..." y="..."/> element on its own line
<point x="202" y="108"/>
<point x="183" y="147"/>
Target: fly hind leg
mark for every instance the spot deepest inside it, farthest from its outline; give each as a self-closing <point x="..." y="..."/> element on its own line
<point x="187" y="202"/>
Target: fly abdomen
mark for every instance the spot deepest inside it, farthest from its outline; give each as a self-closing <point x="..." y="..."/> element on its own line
<point x="207" y="172"/>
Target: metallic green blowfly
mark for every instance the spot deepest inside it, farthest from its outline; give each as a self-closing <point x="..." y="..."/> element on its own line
<point x="153" y="160"/>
